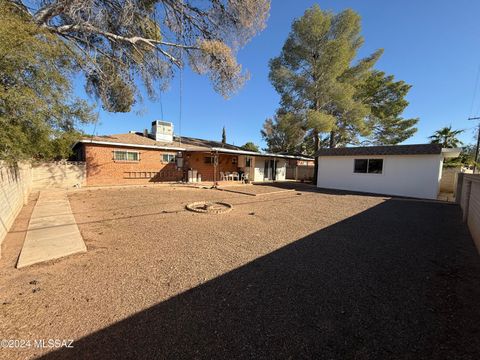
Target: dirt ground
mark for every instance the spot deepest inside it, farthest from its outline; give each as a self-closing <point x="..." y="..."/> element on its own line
<point x="302" y="274"/>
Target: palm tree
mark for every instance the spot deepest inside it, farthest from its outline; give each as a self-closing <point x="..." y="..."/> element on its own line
<point x="447" y="137"/>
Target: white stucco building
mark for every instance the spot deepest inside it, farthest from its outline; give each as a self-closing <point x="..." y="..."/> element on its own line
<point x="402" y="170"/>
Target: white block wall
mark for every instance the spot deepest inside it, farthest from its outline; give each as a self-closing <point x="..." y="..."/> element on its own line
<point x="403" y="175"/>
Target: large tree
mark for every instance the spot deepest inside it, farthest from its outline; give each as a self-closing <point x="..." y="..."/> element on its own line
<point x="38" y="112"/>
<point x="386" y="99"/>
<point x="119" y="43"/>
<point x="316" y="77"/>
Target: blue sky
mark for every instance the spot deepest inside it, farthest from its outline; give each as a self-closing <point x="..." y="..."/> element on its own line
<point x="432" y="45"/>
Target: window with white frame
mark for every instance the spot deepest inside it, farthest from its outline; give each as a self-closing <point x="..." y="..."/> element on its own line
<point x="126" y="155"/>
<point x="368" y="166"/>
<point x="168" y="158"/>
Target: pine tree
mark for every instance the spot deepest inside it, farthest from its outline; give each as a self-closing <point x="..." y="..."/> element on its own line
<point x="315" y="77"/>
<point x="387" y="102"/>
<point x="283" y="133"/>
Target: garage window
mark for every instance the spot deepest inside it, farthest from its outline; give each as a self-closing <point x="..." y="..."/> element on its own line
<point x="368" y="166"/>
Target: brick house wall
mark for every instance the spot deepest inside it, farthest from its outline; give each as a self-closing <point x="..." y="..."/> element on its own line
<point x="102" y="169"/>
<point x="196" y="161"/>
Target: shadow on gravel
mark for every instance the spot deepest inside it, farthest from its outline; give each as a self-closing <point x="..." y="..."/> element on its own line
<point x="309" y="187"/>
<point x="399" y="280"/>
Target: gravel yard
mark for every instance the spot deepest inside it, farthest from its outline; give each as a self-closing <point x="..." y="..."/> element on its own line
<point x="300" y="274"/>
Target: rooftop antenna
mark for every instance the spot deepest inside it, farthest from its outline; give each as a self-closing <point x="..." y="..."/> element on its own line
<point x="478" y="143"/>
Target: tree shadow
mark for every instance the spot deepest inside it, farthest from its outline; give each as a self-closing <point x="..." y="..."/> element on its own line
<point x="397" y="281"/>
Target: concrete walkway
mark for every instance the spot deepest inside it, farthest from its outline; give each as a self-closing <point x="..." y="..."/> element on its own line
<point x="52" y="232"/>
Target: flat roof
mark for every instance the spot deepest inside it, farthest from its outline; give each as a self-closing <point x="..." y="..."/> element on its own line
<point x="416" y="149"/>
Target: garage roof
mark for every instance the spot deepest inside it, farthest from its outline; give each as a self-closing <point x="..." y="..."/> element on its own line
<point x="417" y="149"/>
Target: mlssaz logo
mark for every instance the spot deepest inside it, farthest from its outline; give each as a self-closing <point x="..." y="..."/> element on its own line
<point x="54" y="343"/>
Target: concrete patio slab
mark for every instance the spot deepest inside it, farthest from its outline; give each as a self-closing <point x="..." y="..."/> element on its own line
<point x="52" y="232"/>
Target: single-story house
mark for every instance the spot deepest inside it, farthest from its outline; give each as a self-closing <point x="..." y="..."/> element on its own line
<point x="403" y="170"/>
<point x="160" y="156"/>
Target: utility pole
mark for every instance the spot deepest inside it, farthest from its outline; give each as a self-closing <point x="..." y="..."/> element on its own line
<point x="478" y="143"/>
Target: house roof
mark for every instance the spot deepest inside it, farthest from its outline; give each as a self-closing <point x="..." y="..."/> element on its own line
<point x="138" y="139"/>
<point x="185" y="143"/>
<point x="417" y="149"/>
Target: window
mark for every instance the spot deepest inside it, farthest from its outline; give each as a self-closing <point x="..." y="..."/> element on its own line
<point x="168" y="158"/>
<point x="368" y="166"/>
<point x="375" y="166"/>
<point x="248" y="161"/>
<point x="126" y="156"/>
<point x="234" y="160"/>
<point x="361" y="166"/>
<point x="208" y="159"/>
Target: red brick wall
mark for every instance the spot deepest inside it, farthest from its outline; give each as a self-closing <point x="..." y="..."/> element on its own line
<point x="196" y="161"/>
<point x="103" y="170"/>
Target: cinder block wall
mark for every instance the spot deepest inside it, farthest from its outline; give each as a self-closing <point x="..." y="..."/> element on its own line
<point x="15" y="184"/>
<point x="469" y="200"/>
<point x="58" y="175"/>
<point x="448" y="182"/>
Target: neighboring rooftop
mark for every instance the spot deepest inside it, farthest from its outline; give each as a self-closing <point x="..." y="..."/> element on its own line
<point x="417" y="149"/>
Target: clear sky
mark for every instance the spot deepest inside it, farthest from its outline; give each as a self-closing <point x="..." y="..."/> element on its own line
<point x="433" y="45"/>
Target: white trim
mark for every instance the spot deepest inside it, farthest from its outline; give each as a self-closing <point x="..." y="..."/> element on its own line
<point x="253" y="153"/>
<point x="451" y="152"/>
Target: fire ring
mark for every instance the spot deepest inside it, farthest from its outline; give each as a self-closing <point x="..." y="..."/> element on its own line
<point x="210" y="207"/>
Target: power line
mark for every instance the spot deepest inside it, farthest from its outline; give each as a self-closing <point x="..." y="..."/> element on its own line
<point x="158" y="63"/>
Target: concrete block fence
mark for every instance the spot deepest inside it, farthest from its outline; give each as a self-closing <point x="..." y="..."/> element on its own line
<point x="468" y="197"/>
<point x="17" y="182"/>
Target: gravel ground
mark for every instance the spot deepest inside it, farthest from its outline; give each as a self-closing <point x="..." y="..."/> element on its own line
<point x="301" y="274"/>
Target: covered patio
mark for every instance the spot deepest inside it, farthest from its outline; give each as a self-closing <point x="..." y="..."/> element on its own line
<point x="225" y="165"/>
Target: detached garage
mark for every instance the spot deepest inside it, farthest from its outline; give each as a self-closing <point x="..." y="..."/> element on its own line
<point x="402" y="170"/>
